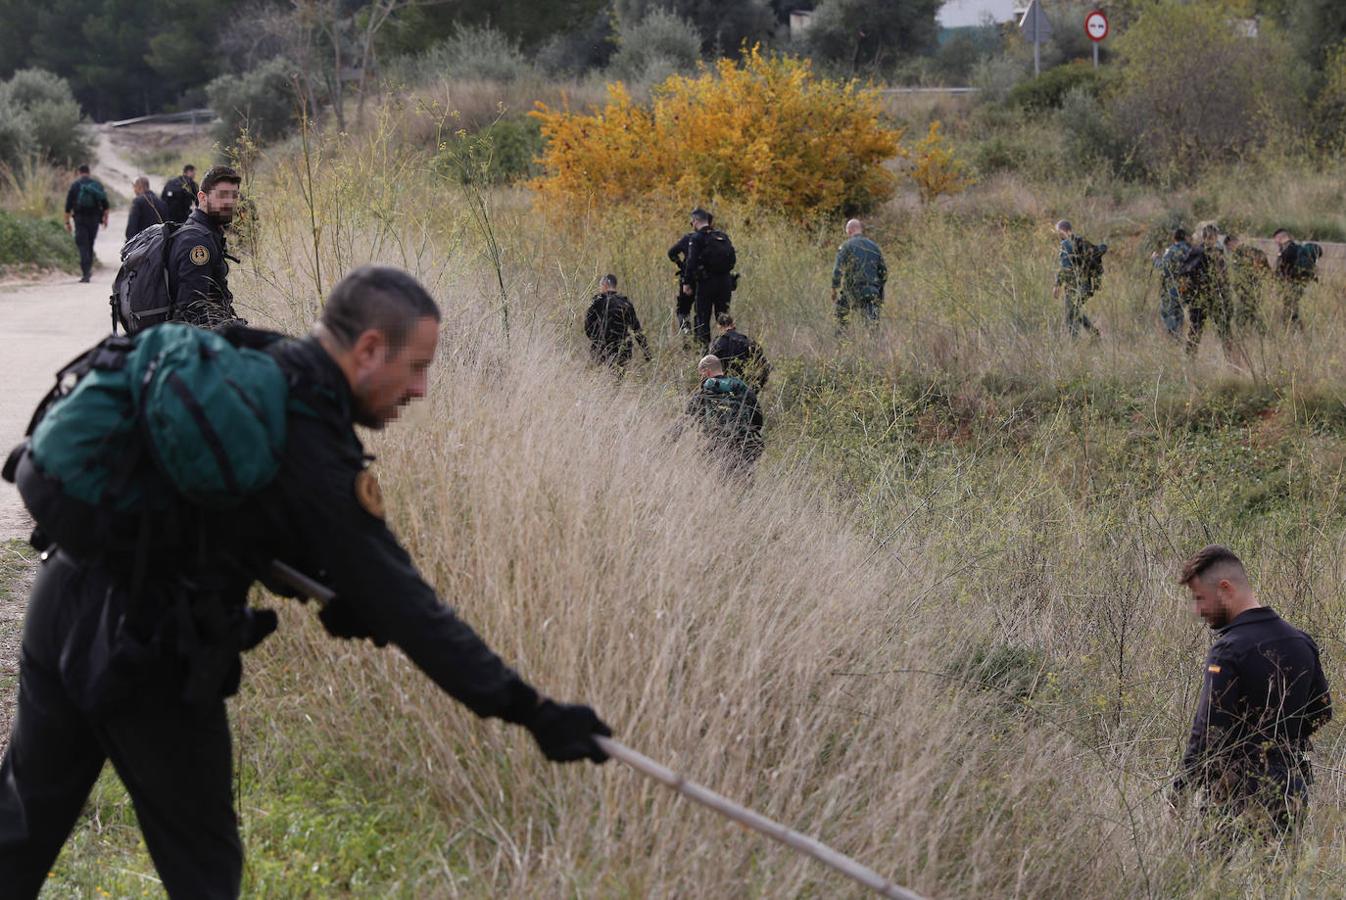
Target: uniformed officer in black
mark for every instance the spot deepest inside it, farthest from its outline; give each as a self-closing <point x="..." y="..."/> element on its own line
<point x="86" y="210"/>
<point x="368" y="356"/>
<point x="710" y="291"/>
<point x="677" y="254"/>
<point x="740" y="354"/>
<point x="612" y="326"/>
<point x="146" y="208"/>
<point x="1262" y="696"/>
<point x="180" y="194"/>
<point x="198" y="267"/>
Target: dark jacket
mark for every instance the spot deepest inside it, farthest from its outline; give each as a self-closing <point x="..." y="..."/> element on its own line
<point x="677" y="254"/>
<point x="694" y="270"/>
<point x="726" y="410"/>
<point x="860" y="271"/>
<point x="198" y="273"/>
<point x="1264" y="693"/>
<point x="72" y="200"/>
<point x="146" y="210"/>
<point x="312" y="519"/>
<point x="743" y="357"/>
<point x="611" y="324"/>
<point x="180" y="196"/>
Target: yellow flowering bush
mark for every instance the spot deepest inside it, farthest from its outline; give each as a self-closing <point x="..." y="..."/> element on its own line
<point x="765" y="130"/>
<point x="935" y="169"/>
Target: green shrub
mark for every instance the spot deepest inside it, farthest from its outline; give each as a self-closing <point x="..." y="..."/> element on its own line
<point x="39" y="117"/>
<point x="1090" y="136"/>
<point x="262" y="102"/>
<point x="999" y="154"/>
<point x="472" y="52"/>
<point x="502" y="152"/>
<point x="659" y="45"/>
<point x="37" y="242"/>
<point x="1049" y="90"/>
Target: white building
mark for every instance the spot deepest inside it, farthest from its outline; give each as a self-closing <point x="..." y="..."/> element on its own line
<point x="970" y="13"/>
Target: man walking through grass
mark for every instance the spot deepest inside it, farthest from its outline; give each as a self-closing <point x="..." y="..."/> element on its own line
<point x="148" y="694"/>
<point x="859" y="276"/>
<point x="1263" y="695"/>
<point x="726" y="410"/>
<point x="1077" y="275"/>
<point x="86" y="210"/>
<point x="1171" y="301"/>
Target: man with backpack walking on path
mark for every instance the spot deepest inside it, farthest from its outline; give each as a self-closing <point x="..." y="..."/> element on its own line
<point x="128" y="658"/>
<point x="146" y="209"/>
<point x="726" y="410"/>
<point x="1296" y="266"/>
<point x="86" y="210"/>
<point x="1078" y="277"/>
<point x="859" y="276"/>
<point x="708" y="273"/>
<point x="612" y="326"/>
<point x="198" y="268"/>
<point x="180" y="194"/>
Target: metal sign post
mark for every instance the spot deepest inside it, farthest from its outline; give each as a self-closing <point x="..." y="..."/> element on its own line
<point x="1036" y="27"/>
<point x="1096" y="29"/>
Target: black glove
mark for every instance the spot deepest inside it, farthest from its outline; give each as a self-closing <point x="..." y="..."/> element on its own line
<point x="340" y="621"/>
<point x="565" y="731"/>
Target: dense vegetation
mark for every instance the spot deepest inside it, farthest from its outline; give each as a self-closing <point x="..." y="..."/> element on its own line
<point x="940" y="628"/>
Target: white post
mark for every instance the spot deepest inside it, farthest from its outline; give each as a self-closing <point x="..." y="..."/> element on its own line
<point x="1095" y="54"/>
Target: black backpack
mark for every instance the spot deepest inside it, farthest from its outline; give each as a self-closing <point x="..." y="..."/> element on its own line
<point x="1306" y="261"/>
<point x="717" y="255"/>
<point x="140" y="295"/>
<point x="1087" y="262"/>
<point x="606" y="322"/>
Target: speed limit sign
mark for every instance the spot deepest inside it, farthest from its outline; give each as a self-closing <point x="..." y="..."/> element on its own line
<point x="1096" y="25"/>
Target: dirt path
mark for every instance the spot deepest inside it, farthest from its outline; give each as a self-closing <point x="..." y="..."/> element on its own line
<point x="44" y="325"/>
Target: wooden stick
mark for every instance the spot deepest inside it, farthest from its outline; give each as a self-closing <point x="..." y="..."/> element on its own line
<point x="689" y="789"/>
<point x="757" y="822"/>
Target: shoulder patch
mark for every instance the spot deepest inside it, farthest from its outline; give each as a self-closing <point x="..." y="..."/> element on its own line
<point x="368" y="494"/>
<point x="1213" y="668"/>
<point x="199" y="255"/>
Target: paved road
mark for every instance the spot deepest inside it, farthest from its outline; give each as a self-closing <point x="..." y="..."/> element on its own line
<point x="42" y="326"/>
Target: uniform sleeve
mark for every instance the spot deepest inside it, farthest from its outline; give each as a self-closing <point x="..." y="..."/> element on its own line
<point x="1207" y="746"/>
<point x="192" y="280"/>
<point x="678" y="251"/>
<point x="840" y="265"/>
<point x="376" y="584"/>
<point x="103" y="204"/>
<point x="1319" y="712"/>
<point x="693" y="259"/>
<point x="70" y="197"/>
<point x="591" y="322"/>
<point x="882" y="272"/>
<point x="134" y="223"/>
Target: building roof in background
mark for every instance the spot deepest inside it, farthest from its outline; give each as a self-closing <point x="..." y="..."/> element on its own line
<point x="968" y="13"/>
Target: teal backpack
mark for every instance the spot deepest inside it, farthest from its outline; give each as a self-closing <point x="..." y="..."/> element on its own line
<point x="137" y="425"/>
<point x="91" y="195"/>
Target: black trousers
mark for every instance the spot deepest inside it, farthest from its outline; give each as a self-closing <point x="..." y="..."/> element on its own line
<point x="174" y="760"/>
<point x="712" y="298"/>
<point x="86" y="232"/>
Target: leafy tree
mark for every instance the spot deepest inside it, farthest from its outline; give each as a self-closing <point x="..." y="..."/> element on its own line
<point x="857" y="35"/>
<point x="1193" y="90"/>
<point x="659" y="41"/>
<point x="724" y="25"/>
<point x="39" y="118"/>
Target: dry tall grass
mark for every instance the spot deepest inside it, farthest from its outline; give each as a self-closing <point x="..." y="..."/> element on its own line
<point x="975" y="678"/>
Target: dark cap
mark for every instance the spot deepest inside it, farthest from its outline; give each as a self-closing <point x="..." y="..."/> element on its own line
<point x="700" y="213"/>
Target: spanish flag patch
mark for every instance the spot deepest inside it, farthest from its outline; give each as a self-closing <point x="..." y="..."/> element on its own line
<point x="1213" y="668"/>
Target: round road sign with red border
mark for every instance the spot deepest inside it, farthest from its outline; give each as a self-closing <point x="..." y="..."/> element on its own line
<point x="1096" y="25"/>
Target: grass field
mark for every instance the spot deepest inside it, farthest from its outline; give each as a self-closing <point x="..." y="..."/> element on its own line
<point x="939" y="630"/>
